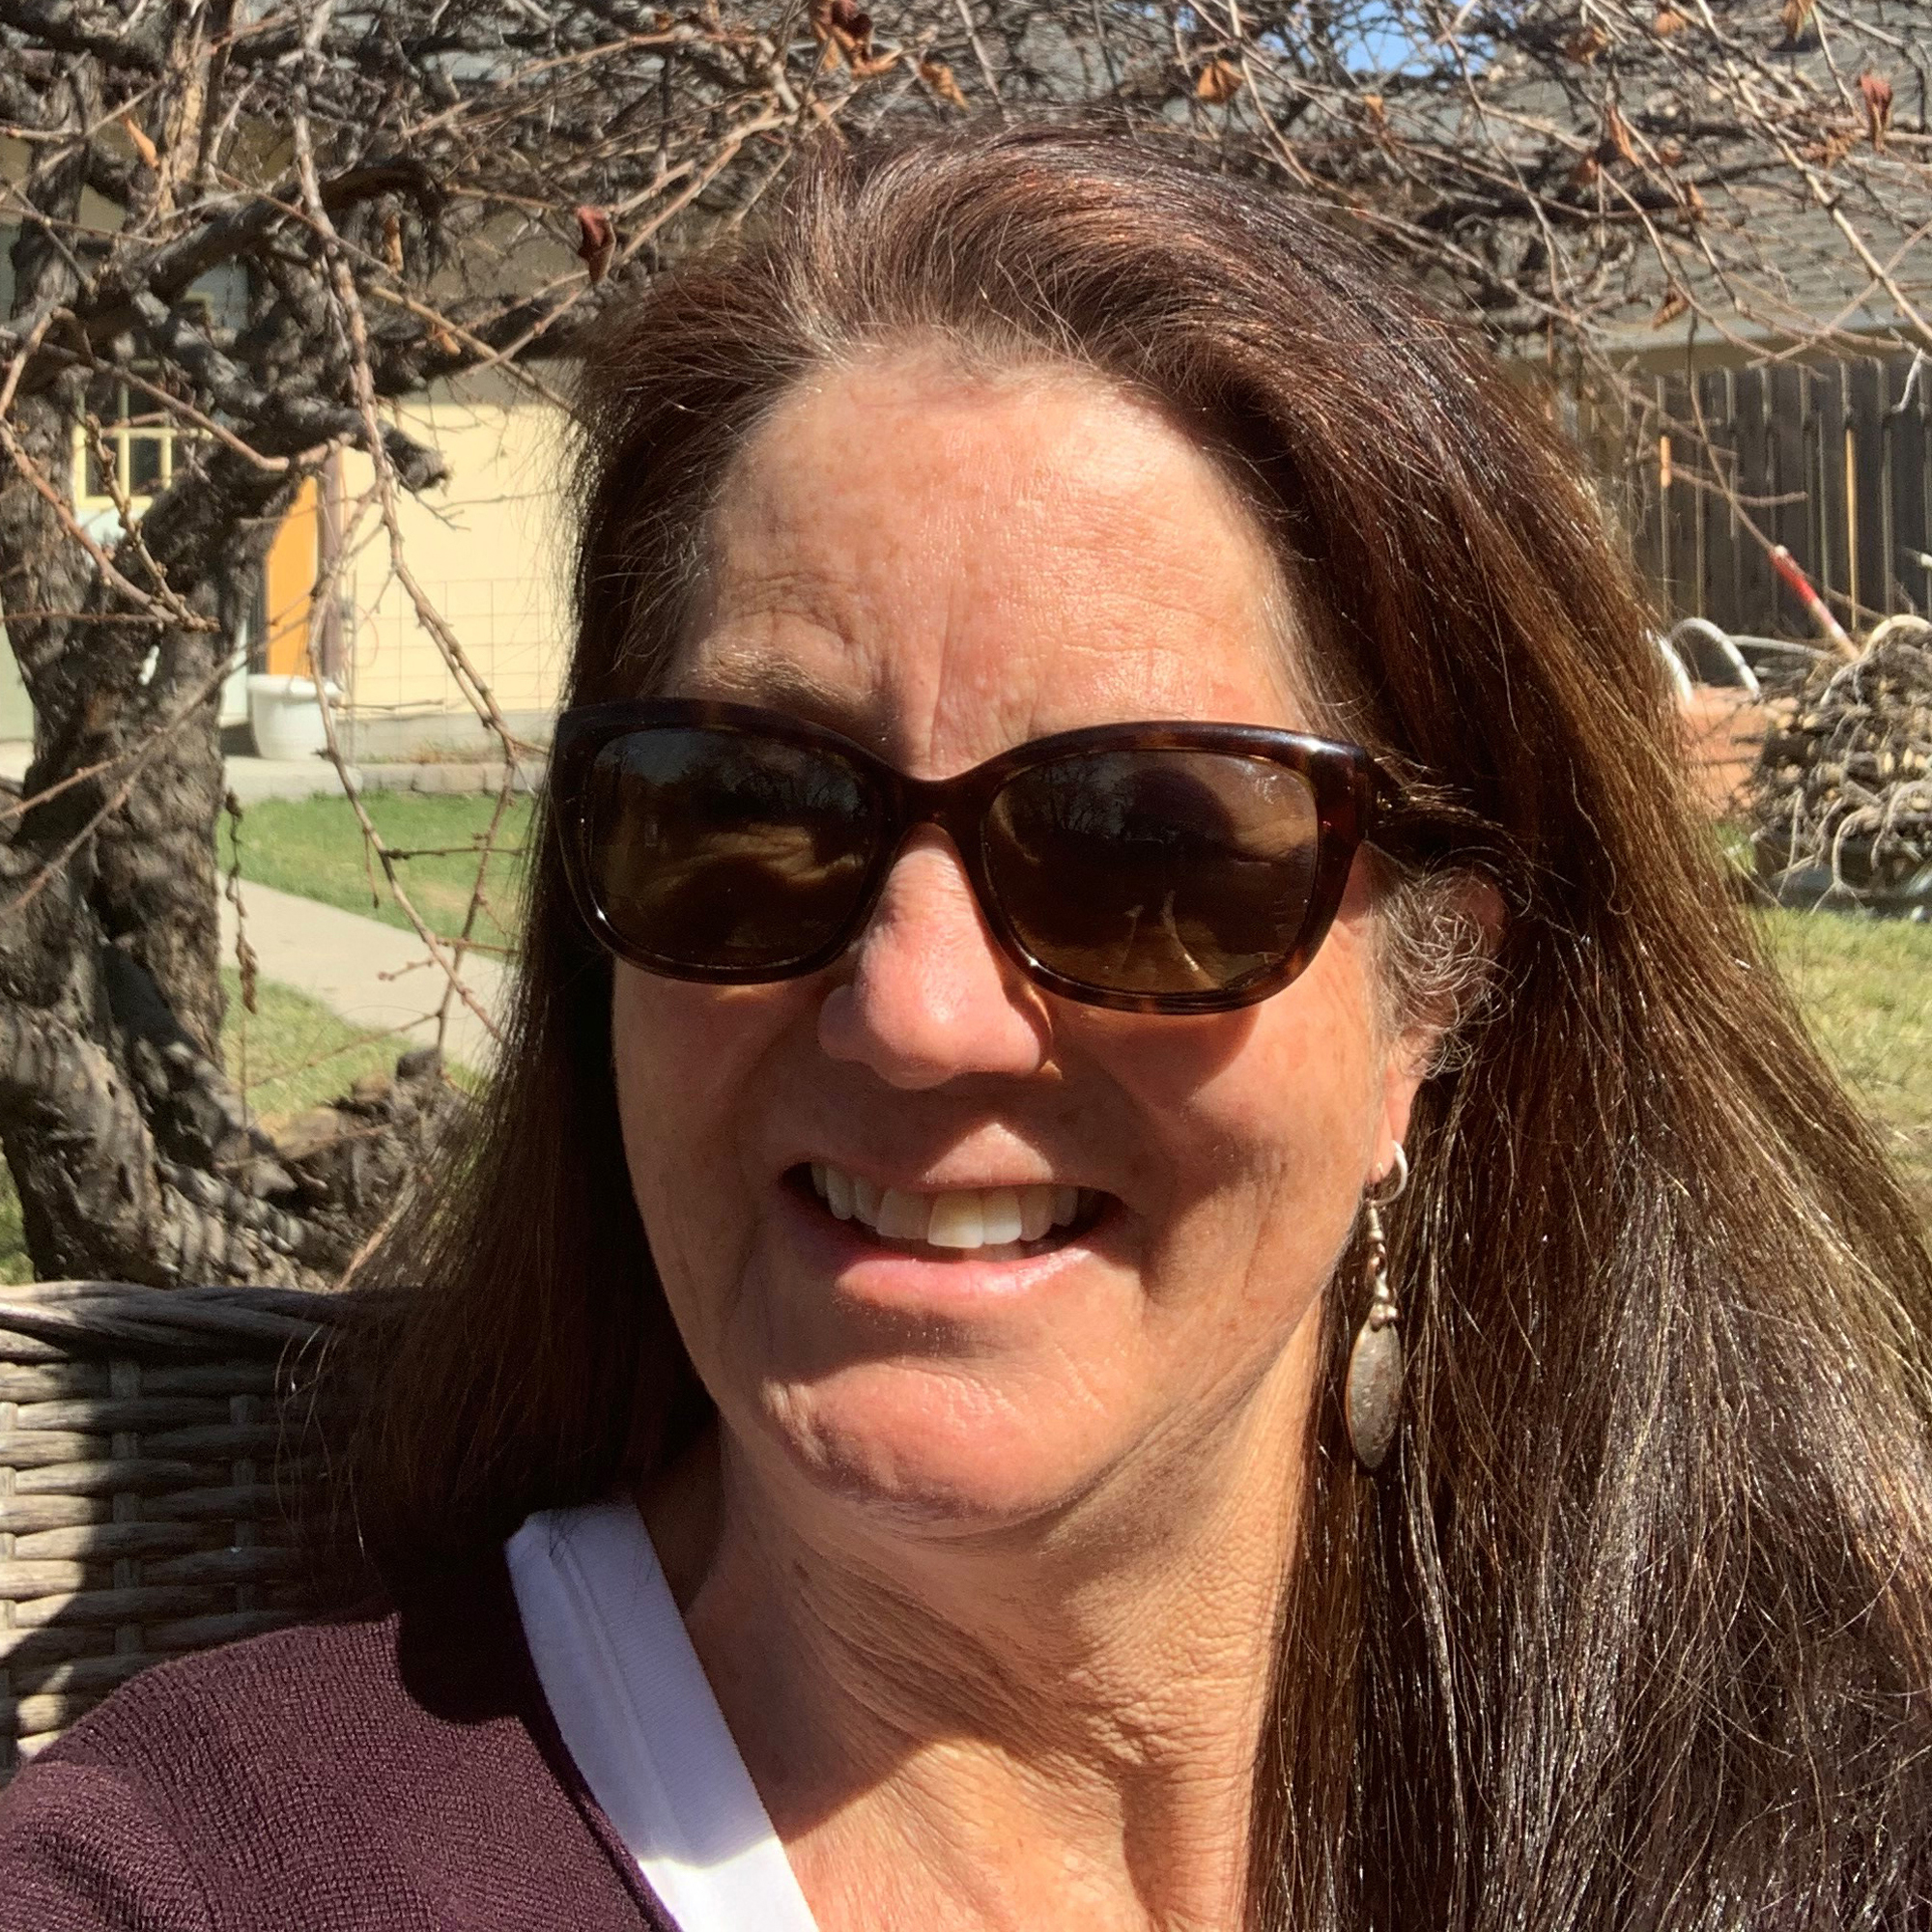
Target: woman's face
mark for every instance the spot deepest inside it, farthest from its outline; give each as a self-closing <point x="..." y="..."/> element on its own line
<point x="942" y="567"/>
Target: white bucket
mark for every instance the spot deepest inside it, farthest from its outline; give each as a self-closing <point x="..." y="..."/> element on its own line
<point x="285" y="718"/>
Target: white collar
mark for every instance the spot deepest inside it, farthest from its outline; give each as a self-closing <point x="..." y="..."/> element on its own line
<point x="638" y="1718"/>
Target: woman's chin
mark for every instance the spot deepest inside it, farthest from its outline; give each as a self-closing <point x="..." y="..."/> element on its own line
<point x="920" y="1450"/>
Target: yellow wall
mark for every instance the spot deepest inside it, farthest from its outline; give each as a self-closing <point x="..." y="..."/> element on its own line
<point x="291" y="585"/>
<point x="485" y="549"/>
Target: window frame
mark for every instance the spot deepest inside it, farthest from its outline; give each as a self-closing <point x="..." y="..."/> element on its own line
<point x="127" y="426"/>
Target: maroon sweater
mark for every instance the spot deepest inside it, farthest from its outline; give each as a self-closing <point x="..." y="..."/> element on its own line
<point x="393" y="1773"/>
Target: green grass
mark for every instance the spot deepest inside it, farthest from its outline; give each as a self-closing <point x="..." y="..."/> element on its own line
<point x="291" y="1053"/>
<point x="14" y="1263"/>
<point x="297" y="1055"/>
<point x="1866" y="986"/>
<point x="314" y="846"/>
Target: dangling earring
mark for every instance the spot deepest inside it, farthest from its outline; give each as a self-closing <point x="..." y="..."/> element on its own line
<point x="1373" y="1402"/>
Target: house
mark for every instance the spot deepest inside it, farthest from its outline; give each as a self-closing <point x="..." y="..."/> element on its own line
<point x="483" y="551"/>
<point x="487" y="553"/>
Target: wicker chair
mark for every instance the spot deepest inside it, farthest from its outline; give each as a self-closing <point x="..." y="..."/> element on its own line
<point x="150" y="1442"/>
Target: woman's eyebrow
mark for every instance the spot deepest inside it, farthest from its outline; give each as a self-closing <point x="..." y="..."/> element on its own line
<point x="750" y="677"/>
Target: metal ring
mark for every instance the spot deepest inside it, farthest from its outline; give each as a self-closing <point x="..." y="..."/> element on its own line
<point x="1388" y="1189"/>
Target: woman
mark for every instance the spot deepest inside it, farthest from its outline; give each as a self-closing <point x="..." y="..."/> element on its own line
<point x="944" y="1206"/>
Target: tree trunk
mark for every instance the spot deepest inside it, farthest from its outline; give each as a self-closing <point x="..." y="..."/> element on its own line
<point x="133" y="1153"/>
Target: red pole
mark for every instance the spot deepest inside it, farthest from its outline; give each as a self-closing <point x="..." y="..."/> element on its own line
<point x="1786" y="566"/>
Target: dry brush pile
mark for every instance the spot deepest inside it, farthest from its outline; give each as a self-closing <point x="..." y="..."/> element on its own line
<point x="1840" y="802"/>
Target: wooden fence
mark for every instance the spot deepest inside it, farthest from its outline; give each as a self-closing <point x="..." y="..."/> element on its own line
<point x="1829" y="460"/>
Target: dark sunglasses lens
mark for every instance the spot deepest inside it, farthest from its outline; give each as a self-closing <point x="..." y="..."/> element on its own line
<point x="716" y="852"/>
<point x="1158" y="872"/>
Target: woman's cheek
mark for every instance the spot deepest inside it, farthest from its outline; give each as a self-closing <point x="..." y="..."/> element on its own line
<point x="684" y="1059"/>
<point x="1267" y="1158"/>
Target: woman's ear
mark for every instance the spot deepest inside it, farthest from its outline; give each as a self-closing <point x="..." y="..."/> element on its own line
<point x="1441" y="934"/>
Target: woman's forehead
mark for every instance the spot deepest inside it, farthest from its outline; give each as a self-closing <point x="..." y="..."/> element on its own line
<point x="1036" y="548"/>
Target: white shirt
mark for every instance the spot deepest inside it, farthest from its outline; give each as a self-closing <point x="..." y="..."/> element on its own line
<point x="637" y="1717"/>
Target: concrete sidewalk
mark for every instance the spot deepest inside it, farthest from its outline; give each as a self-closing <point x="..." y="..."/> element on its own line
<point x="373" y="976"/>
<point x="251" y="779"/>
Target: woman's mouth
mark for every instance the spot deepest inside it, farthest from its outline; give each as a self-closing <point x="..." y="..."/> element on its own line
<point x="983" y="1222"/>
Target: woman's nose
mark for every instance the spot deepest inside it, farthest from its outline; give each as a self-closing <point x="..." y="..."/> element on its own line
<point x="928" y="996"/>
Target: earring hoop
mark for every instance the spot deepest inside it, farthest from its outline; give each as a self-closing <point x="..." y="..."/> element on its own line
<point x="1393" y="1183"/>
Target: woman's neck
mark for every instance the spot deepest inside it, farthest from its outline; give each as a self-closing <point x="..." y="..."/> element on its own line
<point x="1054" y="1724"/>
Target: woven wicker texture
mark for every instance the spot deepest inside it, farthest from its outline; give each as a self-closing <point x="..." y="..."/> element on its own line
<point x="150" y="1442"/>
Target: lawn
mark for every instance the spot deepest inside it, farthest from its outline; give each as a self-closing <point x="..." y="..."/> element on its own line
<point x="315" y="846"/>
<point x="1866" y="986"/>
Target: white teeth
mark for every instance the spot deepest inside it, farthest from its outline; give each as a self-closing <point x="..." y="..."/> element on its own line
<point x="1036" y="1211"/>
<point x="958" y="1221"/>
<point x="902" y="1217"/>
<point x="837" y="1188"/>
<point x="958" y="1217"/>
<point x="1000" y="1211"/>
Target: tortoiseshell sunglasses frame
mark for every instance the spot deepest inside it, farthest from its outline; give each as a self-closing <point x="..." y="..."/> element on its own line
<point x="1353" y="797"/>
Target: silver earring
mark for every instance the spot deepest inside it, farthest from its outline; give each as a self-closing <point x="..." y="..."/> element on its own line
<point x="1372" y="1401"/>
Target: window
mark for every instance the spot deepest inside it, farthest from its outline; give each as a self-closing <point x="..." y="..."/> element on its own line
<point x="135" y="442"/>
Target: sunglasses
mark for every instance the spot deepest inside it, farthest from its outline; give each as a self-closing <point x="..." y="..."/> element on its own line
<point x="1158" y="868"/>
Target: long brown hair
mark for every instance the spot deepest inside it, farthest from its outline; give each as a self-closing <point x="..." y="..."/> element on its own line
<point x="1632" y="1629"/>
